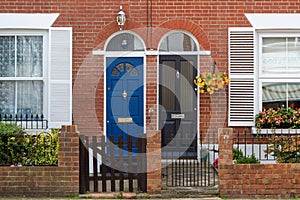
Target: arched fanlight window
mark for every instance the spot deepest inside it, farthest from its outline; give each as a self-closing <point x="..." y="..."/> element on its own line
<point x="178" y="41"/>
<point x="125" y="42"/>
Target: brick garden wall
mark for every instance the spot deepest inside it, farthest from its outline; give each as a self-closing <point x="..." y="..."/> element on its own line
<point x="254" y="180"/>
<point x="50" y="181"/>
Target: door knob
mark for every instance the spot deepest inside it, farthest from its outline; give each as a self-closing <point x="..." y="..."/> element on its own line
<point x="177" y="74"/>
<point x="124" y="94"/>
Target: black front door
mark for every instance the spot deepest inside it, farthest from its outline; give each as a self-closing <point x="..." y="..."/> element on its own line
<point x="178" y="106"/>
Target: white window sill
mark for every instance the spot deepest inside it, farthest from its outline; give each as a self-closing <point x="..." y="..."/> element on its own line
<point x="269" y="131"/>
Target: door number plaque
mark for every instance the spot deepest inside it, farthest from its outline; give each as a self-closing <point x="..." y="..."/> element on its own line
<point x="124" y="120"/>
<point x="177" y="116"/>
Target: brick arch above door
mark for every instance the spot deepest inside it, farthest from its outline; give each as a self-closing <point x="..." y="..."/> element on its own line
<point x="190" y="27"/>
<point x="152" y="36"/>
<point x="112" y="28"/>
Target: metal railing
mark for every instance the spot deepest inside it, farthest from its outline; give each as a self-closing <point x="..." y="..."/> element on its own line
<point x="27" y="121"/>
<point x="198" y="171"/>
<point x="260" y="143"/>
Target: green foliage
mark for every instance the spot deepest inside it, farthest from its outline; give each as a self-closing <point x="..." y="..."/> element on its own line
<point x="10" y="129"/>
<point x="247" y="160"/>
<point x="285" y="148"/>
<point x="239" y="157"/>
<point x="7" y="130"/>
<point x="41" y="149"/>
<point x="73" y="196"/>
<point x="25" y="149"/>
<point x="237" y="153"/>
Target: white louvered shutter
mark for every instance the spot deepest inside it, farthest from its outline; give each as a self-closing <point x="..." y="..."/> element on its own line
<point x="60" y="77"/>
<point x="242" y="80"/>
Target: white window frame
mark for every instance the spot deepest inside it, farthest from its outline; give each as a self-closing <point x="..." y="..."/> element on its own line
<point x="280" y="77"/>
<point x="44" y="78"/>
<point x="57" y="74"/>
<point x="244" y="66"/>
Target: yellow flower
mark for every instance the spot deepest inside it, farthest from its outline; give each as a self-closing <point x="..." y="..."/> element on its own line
<point x="211" y="82"/>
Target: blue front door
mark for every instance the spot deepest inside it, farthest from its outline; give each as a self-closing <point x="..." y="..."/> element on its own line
<point x="124" y="97"/>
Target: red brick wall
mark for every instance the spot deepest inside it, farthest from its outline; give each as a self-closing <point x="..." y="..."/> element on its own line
<point x="46" y="181"/>
<point x="254" y="180"/>
<point x="93" y="21"/>
<point x="154" y="179"/>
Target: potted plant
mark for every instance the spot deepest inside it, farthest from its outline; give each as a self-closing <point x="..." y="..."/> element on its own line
<point x="281" y="118"/>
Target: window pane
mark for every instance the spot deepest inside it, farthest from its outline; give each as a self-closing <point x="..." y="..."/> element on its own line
<point x="294" y="95"/>
<point x="7" y="56"/>
<point x="7" y="97"/>
<point x="280" y="55"/>
<point x="276" y="95"/>
<point x="178" y="42"/>
<point x="29" y="56"/>
<point x="30" y="97"/>
<point x="274" y="55"/>
<point x="125" y="42"/>
<point x="293" y="55"/>
<point x="168" y="85"/>
<point x="186" y="89"/>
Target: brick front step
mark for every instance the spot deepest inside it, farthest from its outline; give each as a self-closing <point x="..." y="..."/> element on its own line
<point x="191" y="192"/>
<point x="110" y="195"/>
<point x="184" y="192"/>
<point x="174" y="192"/>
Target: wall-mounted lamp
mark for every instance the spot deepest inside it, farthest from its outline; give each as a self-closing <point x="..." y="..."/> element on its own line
<point x="121" y="18"/>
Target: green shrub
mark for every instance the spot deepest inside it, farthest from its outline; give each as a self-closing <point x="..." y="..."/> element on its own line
<point x="10" y="129"/>
<point x="20" y="148"/>
<point x="247" y="160"/>
<point x="45" y="149"/>
<point x="285" y="148"/>
<point x="237" y="153"/>
<point x="7" y="130"/>
<point x="239" y="157"/>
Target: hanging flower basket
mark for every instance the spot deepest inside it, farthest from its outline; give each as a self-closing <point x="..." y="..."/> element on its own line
<point x="211" y="82"/>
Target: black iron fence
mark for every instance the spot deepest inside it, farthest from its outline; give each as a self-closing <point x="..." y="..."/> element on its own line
<point x="265" y="145"/>
<point x="116" y="164"/>
<point x="196" y="171"/>
<point x="27" y="121"/>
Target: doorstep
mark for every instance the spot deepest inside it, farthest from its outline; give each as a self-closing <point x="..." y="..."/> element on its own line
<point x="110" y="195"/>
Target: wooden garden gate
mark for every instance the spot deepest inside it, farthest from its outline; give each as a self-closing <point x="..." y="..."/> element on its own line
<point x="112" y="165"/>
